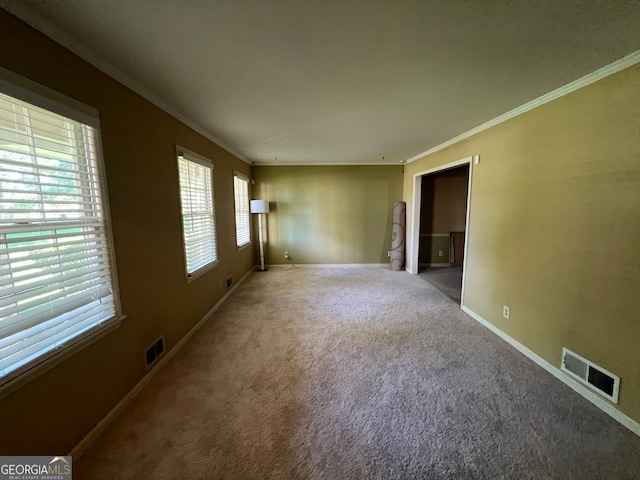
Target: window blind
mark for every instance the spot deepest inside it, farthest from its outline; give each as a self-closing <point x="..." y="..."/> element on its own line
<point x="56" y="284"/>
<point x="241" y="195"/>
<point x="198" y="222"/>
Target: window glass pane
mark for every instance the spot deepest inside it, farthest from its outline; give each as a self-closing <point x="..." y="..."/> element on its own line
<point x="241" y="194"/>
<point x="56" y="284"/>
<point x="198" y="222"/>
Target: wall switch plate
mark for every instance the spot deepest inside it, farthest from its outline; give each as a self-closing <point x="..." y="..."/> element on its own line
<point x="440" y="253"/>
<point x="389" y="253"/>
<point x="286" y="255"/>
<point x="505" y="311"/>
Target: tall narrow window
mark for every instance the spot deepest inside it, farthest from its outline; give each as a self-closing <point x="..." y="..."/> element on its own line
<point x="241" y="195"/>
<point x="198" y="220"/>
<point x="57" y="282"/>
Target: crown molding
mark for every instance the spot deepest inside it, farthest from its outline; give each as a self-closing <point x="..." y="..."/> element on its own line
<point x="323" y="164"/>
<point x="588" y="79"/>
<point x="58" y="35"/>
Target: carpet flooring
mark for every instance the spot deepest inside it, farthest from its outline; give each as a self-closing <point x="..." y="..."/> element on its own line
<point x="446" y="279"/>
<point x="355" y="373"/>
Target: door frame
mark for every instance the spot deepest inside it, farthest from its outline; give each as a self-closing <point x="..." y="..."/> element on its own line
<point x="414" y="236"/>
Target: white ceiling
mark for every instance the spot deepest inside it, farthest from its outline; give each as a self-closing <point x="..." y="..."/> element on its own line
<point x="339" y="82"/>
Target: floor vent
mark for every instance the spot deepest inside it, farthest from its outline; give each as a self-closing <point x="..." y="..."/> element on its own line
<point x="595" y="377"/>
<point x="154" y="351"/>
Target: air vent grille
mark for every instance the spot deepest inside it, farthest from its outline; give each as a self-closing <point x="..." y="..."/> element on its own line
<point x="587" y="372"/>
<point x="154" y="351"/>
<point x="601" y="381"/>
<point x="576" y="366"/>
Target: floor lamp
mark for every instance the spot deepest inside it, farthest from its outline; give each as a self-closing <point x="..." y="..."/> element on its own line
<point x="259" y="207"/>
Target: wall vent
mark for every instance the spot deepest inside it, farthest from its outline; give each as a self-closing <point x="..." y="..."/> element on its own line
<point x="154" y="351"/>
<point x="595" y="377"/>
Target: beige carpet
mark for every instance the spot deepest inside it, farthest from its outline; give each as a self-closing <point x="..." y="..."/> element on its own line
<point x="355" y="374"/>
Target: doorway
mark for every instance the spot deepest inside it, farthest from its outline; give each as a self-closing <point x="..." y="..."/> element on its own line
<point x="439" y="231"/>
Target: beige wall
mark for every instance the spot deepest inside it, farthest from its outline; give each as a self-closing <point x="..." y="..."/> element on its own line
<point x="329" y="214"/>
<point x="554" y="187"/>
<point x="444" y="210"/>
<point x="444" y="201"/>
<point x="430" y="248"/>
<point x="53" y="412"/>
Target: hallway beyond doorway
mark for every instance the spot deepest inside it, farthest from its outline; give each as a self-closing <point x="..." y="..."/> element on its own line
<point x="446" y="279"/>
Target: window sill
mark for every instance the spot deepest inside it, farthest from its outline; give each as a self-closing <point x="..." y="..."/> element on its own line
<point x="57" y="357"/>
<point x="201" y="271"/>
<point x="244" y="247"/>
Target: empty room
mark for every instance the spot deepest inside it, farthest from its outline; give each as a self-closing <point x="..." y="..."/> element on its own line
<point x="319" y="239"/>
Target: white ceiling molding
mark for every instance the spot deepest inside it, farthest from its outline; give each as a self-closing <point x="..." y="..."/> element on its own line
<point x="322" y="164"/>
<point x="588" y="79"/>
<point x="52" y="31"/>
<point x="341" y="83"/>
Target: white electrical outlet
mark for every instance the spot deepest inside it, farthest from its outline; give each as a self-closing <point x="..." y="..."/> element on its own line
<point x="505" y="311"/>
<point x="440" y="253"/>
<point x="286" y="255"/>
<point x="389" y="253"/>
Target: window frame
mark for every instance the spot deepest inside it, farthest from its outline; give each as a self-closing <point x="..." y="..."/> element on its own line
<point x="245" y="178"/>
<point x="28" y="91"/>
<point x="202" y="161"/>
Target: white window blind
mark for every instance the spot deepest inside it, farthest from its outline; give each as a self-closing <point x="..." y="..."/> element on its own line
<point x="198" y="220"/>
<point x="56" y="284"/>
<point x="241" y="195"/>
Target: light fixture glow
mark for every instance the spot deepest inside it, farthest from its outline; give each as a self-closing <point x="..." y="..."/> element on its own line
<point x="260" y="207"/>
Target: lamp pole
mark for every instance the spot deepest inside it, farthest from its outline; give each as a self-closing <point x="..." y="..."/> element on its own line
<point x="262" y="269"/>
<point x="259" y="207"/>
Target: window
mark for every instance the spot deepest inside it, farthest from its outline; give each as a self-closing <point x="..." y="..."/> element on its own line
<point x="57" y="278"/>
<point x="241" y="195"/>
<point x="198" y="221"/>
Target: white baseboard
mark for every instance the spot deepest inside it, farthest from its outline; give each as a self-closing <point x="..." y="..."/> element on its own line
<point x="594" y="398"/>
<point x="330" y="265"/>
<point x="95" y="432"/>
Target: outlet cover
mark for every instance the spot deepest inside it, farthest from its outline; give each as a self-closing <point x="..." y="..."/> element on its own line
<point x="505" y="311"/>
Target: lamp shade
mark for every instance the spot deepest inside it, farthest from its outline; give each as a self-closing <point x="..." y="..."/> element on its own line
<point x="259" y="206"/>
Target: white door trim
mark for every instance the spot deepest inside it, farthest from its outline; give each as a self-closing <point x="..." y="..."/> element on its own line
<point x="414" y="236"/>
